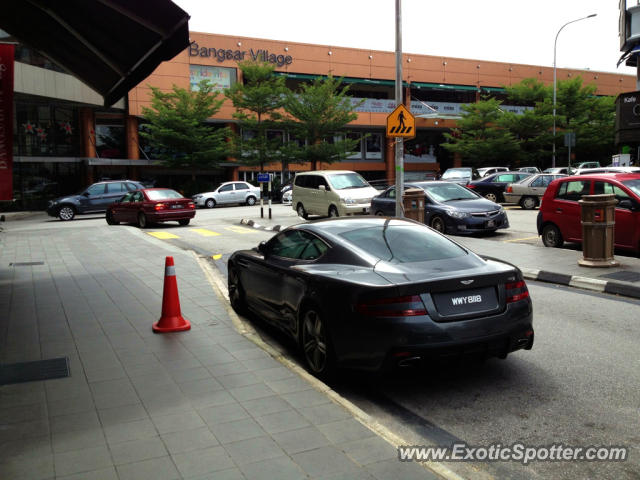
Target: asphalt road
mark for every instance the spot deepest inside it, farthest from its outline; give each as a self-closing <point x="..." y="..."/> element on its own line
<point x="578" y="386"/>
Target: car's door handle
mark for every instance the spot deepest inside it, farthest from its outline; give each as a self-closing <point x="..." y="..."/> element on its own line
<point x="558" y="210"/>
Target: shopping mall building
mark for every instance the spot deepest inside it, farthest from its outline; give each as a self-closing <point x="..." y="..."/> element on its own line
<point x="64" y="139"/>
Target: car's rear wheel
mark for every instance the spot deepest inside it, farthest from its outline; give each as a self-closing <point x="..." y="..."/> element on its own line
<point x="316" y="344"/>
<point x="66" y="213"/>
<point x="210" y="203"/>
<point x="551" y="236"/>
<point x="528" y="203"/>
<point x="301" y="211"/>
<point x="251" y="201"/>
<point x="437" y="223"/>
<point x="236" y="292"/>
<point x="491" y="197"/>
<point x="110" y="219"/>
<point x="142" y="220"/>
<point x="333" y="211"/>
<point x="380" y="213"/>
<point x="184" y="221"/>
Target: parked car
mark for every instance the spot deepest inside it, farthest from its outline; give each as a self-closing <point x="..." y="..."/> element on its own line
<point x="561" y="170"/>
<point x="151" y="205"/>
<point x="331" y="192"/>
<point x="94" y="199"/>
<point x="228" y="193"/>
<point x="585" y="171"/>
<point x="559" y="217"/>
<point x="460" y="175"/>
<point x="374" y="293"/>
<point x="287" y="197"/>
<point x="449" y="208"/>
<point x="588" y="165"/>
<point x="493" y="186"/>
<point x="484" y="171"/>
<point x="528" y="192"/>
<point x="529" y="169"/>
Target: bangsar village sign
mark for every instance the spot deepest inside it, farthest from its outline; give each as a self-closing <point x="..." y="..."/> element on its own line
<point x="220" y="54"/>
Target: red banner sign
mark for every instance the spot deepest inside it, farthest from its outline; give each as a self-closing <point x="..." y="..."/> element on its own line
<point x="6" y="122"/>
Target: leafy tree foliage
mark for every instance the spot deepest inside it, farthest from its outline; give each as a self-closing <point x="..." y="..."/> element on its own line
<point x="177" y="127"/>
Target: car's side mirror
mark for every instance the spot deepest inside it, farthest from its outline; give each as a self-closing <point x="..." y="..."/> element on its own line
<point x="86" y="194"/>
<point x="262" y="247"/>
<point x="628" y="204"/>
<point x="322" y="187"/>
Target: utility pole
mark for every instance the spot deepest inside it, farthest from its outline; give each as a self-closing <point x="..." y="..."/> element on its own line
<point x="399" y="140"/>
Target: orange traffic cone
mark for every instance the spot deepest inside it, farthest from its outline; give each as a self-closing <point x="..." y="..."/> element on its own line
<point x="171" y="319"/>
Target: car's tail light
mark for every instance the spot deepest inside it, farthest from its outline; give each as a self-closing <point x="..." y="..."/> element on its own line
<point x="509" y="189"/>
<point x="409" y="306"/>
<point x="516" y="291"/>
<point x="159" y="206"/>
<point x="470" y="185"/>
<point x="192" y="205"/>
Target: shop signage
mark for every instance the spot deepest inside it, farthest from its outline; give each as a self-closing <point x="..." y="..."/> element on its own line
<point x="221" y="55"/>
<point x="6" y="122"/>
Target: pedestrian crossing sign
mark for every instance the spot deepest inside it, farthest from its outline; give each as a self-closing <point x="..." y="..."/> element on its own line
<point x="400" y="123"/>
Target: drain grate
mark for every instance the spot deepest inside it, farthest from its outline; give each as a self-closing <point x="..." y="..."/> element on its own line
<point x="34" y="371"/>
<point x="25" y="264"/>
<point x="623" y="276"/>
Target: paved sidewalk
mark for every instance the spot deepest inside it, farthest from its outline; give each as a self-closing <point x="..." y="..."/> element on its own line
<point x="207" y="403"/>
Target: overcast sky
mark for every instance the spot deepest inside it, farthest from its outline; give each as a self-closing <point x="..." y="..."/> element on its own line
<point x="513" y="31"/>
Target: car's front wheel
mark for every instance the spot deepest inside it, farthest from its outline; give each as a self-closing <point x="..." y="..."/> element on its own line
<point x="492" y="197"/>
<point x="437" y="223"/>
<point x="551" y="236"/>
<point x="66" y="213"/>
<point x="301" y="211"/>
<point x="236" y="292"/>
<point x="316" y="344"/>
<point x="251" y="201"/>
<point x="333" y="211"/>
<point x="110" y="219"/>
<point x="528" y="203"/>
<point x="142" y="220"/>
<point x="380" y="213"/>
<point x="210" y="203"/>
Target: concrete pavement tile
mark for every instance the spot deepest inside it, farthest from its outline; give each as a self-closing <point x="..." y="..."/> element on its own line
<point x="123" y="432"/>
<point x="77" y="440"/>
<point x="345" y="431"/>
<point x="254" y="353"/>
<point x="28" y="467"/>
<point x="209" y="399"/>
<point x="187" y="420"/>
<point x="156" y="468"/>
<point x="369" y="450"/>
<point x="201" y="385"/>
<point x="102" y="474"/>
<point x="187" y="440"/>
<point x="250" y="392"/>
<point x="222" y="369"/>
<point x="128" y="413"/>
<point x="16" y="447"/>
<point x="94" y="375"/>
<point x="167" y="404"/>
<point x="393" y="469"/>
<point x="229" y="474"/>
<point x="137" y="450"/>
<point x="281" y="468"/>
<point x="325" y="461"/>
<point x="259" y="364"/>
<point x="84" y="460"/>
<point x="276" y="373"/>
<point x="201" y="462"/>
<point x="76" y="421"/>
<point x="306" y="398"/>
<point x="23" y="413"/>
<point x="188" y="375"/>
<point x="214" y="415"/>
<point x="237" y="430"/>
<point x="238" y="379"/>
<point x="282" y="421"/>
<point x="266" y="405"/>
<point x="116" y="399"/>
<point x="288" y="385"/>
<point x="325" y="413"/>
<point x="254" y="450"/>
<point x="360" y="475"/>
<point x="296" y="441"/>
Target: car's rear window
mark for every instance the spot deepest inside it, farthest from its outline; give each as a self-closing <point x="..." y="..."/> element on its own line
<point x="403" y="243"/>
<point x="162" y="194"/>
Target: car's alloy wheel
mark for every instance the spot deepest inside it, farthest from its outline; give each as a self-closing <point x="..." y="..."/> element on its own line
<point x="315" y="344"/>
<point x="210" y="203"/>
<point x="301" y="211"/>
<point x="110" y="219"/>
<point x="528" y="203"/>
<point x="333" y="211"/>
<point x="66" y="213"/>
<point x="251" y="201"/>
<point x="142" y="220"/>
<point x="551" y="236"/>
<point x="437" y="224"/>
<point x="491" y="197"/>
<point x="236" y="292"/>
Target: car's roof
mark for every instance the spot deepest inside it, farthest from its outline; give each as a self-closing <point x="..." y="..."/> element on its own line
<point x="609" y="175"/>
<point x="336" y="226"/>
<point x="325" y="172"/>
<point x="117" y="181"/>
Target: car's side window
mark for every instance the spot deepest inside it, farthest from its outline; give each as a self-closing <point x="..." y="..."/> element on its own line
<point x="226" y="188"/>
<point x="505" y="178"/>
<point x="573" y="190"/>
<point x="130" y="186"/>
<point x="287" y="244"/>
<point x="322" y="181"/>
<point x="539" y="182"/>
<point x="126" y="198"/>
<point x="137" y="197"/>
<point x="116" y="187"/>
<point x="241" y="186"/>
<point x="96" y="189"/>
<point x="391" y="193"/>
<point x="609" y="188"/>
<point x="315" y="248"/>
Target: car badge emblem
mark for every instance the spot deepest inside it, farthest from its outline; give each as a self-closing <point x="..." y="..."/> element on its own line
<point x="466" y="282"/>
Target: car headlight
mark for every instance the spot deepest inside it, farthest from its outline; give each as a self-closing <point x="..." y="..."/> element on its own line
<point x="457" y="214"/>
<point x="348" y="201"/>
<point x="195" y="197"/>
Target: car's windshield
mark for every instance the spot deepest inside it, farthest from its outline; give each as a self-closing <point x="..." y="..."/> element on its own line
<point x="347" y="180"/>
<point x="445" y="192"/>
<point x="162" y="194"/>
<point x="633" y="185"/>
<point x="457" y="173"/>
<point x="403" y="244"/>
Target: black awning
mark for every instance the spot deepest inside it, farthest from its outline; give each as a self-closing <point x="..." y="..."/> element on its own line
<point x="111" y="45"/>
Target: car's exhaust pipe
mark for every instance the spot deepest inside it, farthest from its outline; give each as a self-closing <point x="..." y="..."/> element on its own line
<point x="409" y="362"/>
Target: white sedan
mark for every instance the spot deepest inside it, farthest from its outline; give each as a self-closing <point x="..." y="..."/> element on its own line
<point x="228" y="193"/>
<point x="287" y="197"/>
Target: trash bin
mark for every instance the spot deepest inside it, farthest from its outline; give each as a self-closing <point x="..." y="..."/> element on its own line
<point x="413" y="203"/>
<point x="598" y="228"/>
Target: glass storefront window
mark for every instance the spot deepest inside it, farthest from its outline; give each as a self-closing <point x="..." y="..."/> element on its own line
<point x="110" y="138"/>
<point x="42" y="130"/>
<point x="220" y="77"/>
<point x="374" y="146"/>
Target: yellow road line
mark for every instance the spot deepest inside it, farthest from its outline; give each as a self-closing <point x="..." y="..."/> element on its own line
<point x="163" y="235"/>
<point x="238" y="229"/>
<point x="204" y="232"/>
<point x="521" y="239"/>
<point x="217" y="257"/>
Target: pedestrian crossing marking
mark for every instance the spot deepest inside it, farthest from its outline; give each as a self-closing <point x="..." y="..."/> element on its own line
<point x="204" y="232"/>
<point x="163" y="235"/>
<point x="217" y="257"/>
<point x="402" y="130"/>
<point x="237" y="229"/>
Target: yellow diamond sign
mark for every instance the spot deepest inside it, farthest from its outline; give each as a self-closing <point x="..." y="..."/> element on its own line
<point x="400" y="123"/>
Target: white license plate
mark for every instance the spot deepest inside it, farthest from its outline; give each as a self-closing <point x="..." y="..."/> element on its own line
<point x="176" y="206"/>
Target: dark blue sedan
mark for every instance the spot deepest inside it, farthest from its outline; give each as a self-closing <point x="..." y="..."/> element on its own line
<point x="449" y="208"/>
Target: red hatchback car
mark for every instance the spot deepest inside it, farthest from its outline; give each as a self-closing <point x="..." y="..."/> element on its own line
<point x="559" y="216"/>
<point x="150" y="205"/>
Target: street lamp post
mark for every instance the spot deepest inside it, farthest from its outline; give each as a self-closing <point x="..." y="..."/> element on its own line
<point x="553" y="159"/>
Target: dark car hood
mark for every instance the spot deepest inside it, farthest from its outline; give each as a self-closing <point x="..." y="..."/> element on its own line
<point x="67" y="198"/>
<point x="472" y="206"/>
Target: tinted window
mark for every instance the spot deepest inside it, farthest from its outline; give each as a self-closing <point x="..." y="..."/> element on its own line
<point x="445" y="192"/>
<point x="403" y="244"/>
<point x="573" y="190"/>
<point x="162" y="194"/>
<point x="126" y="198"/>
<point x="226" y="188"/>
<point x="300" y="180"/>
<point x="116" y="187"/>
<point x="296" y="245"/>
<point x="137" y="197"/>
<point x="241" y="186"/>
<point x="633" y="185"/>
<point x="131" y="186"/>
<point x="97" y="189"/>
<point x="322" y="181"/>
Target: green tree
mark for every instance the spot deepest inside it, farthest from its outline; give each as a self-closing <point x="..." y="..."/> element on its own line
<point x="177" y="127"/>
<point x="258" y="102"/>
<point x="318" y="113"/>
<point x="479" y="137"/>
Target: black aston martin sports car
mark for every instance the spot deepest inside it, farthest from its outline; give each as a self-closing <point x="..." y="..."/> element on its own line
<point x="376" y="293"/>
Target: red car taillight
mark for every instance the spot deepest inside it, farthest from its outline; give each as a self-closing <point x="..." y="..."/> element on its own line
<point x="409" y="306"/>
<point x="470" y="186"/>
<point x="159" y="206"/>
<point x="192" y="205"/>
<point x="509" y="189"/>
<point x="516" y="291"/>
